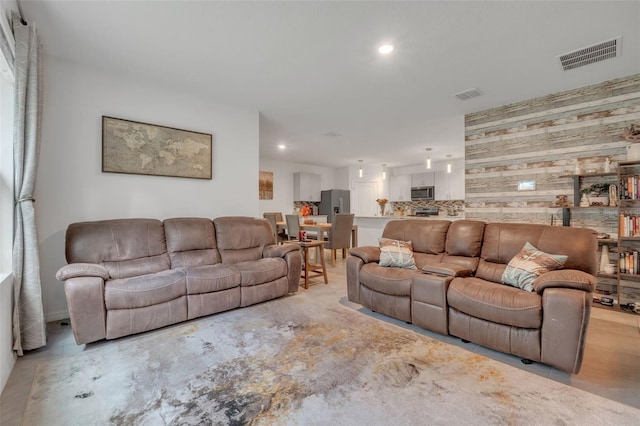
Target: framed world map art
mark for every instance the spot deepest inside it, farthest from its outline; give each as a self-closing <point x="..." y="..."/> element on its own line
<point x="148" y="149"/>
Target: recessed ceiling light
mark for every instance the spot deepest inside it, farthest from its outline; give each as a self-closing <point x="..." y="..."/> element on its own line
<point x="385" y="49"/>
<point x="282" y="146"/>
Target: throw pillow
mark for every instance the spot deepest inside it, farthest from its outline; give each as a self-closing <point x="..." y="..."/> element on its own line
<point x="528" y="265"/>
<point x="396" y="253"/>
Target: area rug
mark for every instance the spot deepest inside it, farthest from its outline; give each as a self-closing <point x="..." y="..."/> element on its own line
<point x="305" y="359"/>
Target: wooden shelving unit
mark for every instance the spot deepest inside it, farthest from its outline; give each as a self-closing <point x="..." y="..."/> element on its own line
<point x="628" y="204"/>
<point x="624" y="287"/>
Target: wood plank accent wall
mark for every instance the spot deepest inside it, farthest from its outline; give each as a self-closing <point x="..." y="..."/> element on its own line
<point x="540" y="139"/>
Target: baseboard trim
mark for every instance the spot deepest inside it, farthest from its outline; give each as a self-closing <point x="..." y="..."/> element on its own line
<point x="56" y="316"/>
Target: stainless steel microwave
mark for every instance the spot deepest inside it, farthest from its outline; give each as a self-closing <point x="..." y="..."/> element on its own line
<point x="419" y="193"/>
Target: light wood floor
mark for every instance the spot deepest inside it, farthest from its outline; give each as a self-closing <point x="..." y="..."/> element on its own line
<point x="611" y="366"/>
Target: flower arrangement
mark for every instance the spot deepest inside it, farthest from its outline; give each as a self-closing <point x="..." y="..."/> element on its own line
<point x="305" y="211"/>
<point x="382" y="202"/>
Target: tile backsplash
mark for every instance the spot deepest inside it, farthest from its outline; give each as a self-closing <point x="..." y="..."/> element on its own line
<point x="444" y="207"/>
<point x="314" y="206"/>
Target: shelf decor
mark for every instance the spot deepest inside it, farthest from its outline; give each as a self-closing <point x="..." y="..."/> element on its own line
<point x="632" y="134"/>
<point x="595" y="195"/>
<point x="148" y="149"/>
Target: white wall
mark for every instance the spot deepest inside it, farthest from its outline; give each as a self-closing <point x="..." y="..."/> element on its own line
<point x="7" y="356"/>
<point x="283" y="183"/>
<point x="71" y="186"/>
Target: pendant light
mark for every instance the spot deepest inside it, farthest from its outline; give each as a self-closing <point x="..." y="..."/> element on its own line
<point x="360" y="171"/>
<point x="428" y="158"/>
<point x="449" y="163"/>
<point x="384" y="172"/>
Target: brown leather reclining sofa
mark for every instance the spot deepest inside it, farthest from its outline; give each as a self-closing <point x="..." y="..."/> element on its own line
<point x="127" y="276"/>
<point x="457" y="288"/>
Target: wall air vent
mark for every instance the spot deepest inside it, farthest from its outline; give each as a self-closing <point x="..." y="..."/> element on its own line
<point x="590" y="54"/>
<point x="468" y="94"/>
<point x="332" y="134"/>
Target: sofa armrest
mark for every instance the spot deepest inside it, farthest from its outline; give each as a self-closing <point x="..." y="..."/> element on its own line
<point x="565" y="278"/>
<point x="566" y="313"/>
<point x="279" y="250"/>
<point x="74" y="270"/>
<point x="87" y="312"/>
<point x="368" y="254"/>
<point x="447" y="270"/>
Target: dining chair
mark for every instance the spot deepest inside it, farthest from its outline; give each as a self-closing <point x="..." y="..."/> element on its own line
<point x="293" y="226"/>
<point x="279" y="237"/>
<point x="340" y="235"/>
<point x="279" y="217"/>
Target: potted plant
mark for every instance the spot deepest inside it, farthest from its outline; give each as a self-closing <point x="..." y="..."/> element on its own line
<point x="598" y="194"/>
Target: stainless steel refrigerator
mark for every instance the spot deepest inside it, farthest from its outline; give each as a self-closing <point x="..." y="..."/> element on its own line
<point x="334" y="201"/>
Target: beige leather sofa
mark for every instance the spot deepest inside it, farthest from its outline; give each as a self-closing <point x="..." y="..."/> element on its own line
<point x="127" y="276"/>
<point x="457" y="288"/>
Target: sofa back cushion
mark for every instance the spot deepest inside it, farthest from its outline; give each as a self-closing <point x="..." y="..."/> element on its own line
<point x="241" y="239"/>
<point x="427" y="236"/>
<point x="464" y="243"/>
<point x="502" y="241"/>
<point x="191" y="241"/>
<point x="125" y="247"/>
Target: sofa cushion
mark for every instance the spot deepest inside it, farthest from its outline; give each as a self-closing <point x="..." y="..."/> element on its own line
<point x="503" y="240"/>
<point x="396" y="253"/>
<point x="191" y="241"/>
<point x="114" y="240"/>
<point x="464" y="243"/>
<point x="241" y="239"/>
<point x="528" y="265"/>
<point x="423" y="259"/>
<point x="144" y="290"/>
<point x="464" y="238"/>
<point x="428" y="236"/>
<point x="125" y="247"/>
<point x="137" y="267"/>
<point x="261" y="271"/>
<point x="387" y="280"/>
<point x="212" y="278"/>
<point x="495" y="302"/>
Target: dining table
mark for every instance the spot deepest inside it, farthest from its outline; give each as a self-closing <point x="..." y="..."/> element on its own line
<point x="321" y="228"/>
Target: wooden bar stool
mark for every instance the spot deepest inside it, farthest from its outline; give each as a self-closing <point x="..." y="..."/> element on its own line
<point x="313" y="269"/>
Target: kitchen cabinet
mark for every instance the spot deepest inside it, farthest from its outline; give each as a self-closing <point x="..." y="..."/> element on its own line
<point x="306" y="186"/>
<point x="422" y="179"/>
<point x="449" y="186"/>
<point x="441" y="184"/>
<point x="400" y="188"/>
<point x="456" y="184"/>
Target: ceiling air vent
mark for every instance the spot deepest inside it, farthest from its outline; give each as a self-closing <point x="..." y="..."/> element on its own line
<point x="590" y="54"/>
<point x="332" y="134"/>
<point x="468" y="94"/>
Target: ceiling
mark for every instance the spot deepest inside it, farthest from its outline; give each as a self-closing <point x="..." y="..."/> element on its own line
<point x="313" y="72"/>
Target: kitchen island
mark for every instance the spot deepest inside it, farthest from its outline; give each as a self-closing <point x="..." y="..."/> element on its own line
<point x="370" y="227"/>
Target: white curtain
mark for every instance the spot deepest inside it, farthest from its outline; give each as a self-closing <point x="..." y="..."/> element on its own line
<point x="28" y="313"/>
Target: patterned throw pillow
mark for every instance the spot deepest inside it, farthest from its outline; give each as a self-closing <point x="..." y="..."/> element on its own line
<point x="396" y="253"/>
<point x="528" y="265"/>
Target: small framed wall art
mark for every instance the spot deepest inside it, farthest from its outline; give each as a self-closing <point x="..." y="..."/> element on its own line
<point x="265" y="186"/>
<point x="148" y="149"/>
